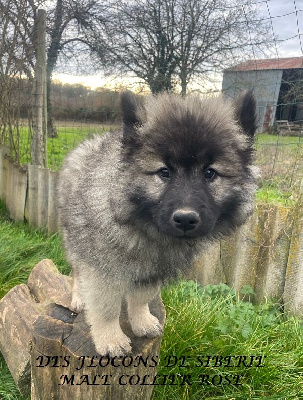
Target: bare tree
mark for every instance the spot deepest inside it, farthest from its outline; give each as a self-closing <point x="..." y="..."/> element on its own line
<point x="138" y="37"/>
<point x="16" y="61"/>
<point x="165" y="42"/>
<point x="213" y="34"/>
<point x="67" y="23"/>
<point x="16" y="29"/>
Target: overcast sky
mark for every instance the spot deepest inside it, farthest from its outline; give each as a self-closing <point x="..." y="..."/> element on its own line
<point x="285" y="16"/>
<point x="287" y="23"/>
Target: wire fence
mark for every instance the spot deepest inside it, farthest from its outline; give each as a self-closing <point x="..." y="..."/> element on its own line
<point x="266" y="252"/>
<point x="80" y="111"/>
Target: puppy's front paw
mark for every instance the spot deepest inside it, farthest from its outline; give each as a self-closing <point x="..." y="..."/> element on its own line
<point x="76" y="304"/>
<point x="109" y="338"/>
<point x="145" y="324"/>
<point x="114" y="346"/>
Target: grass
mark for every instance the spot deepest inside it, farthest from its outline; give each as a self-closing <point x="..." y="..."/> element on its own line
<point x="280" y="161"/>
<point x="21" y="248"/>
<point x="279" y="158"/>
<point x="213" y="322"/>
<point x="201" y="322"/>
<point x="70" y="134"/>
<point x="68" y="138"/>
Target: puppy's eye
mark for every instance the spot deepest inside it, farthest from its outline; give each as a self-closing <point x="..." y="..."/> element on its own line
<point x="210" y="174"/>
<point x="164" y="173"/>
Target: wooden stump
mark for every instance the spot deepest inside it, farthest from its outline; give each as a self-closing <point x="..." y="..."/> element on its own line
<point x="18" y="312"/>
<point x="48" y="348"/>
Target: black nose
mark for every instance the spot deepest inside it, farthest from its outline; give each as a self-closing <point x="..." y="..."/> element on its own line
<point x="185" y="220"/>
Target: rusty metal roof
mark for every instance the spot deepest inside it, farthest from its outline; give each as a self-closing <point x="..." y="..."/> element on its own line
<point x="270" y="63"/>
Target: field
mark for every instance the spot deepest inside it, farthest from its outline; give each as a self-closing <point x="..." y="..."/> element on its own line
<point x="201" y="322"/>
<point x="70" y="134"/>
<point x="279" y="157"/>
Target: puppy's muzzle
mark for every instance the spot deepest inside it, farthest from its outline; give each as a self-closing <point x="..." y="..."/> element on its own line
<point x="185" y="220"/>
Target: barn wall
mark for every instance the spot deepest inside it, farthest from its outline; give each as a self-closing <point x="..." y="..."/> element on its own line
<point x="266" y="85"/>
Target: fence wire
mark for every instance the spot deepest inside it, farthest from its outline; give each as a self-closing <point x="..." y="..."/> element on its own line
<point x="80" y="111"/>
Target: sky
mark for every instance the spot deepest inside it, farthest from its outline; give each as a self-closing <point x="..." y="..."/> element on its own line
<point x="286" y="24"/>
<point x="286" y="18"/>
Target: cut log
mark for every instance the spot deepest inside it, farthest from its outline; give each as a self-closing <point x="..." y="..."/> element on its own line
<point x="65" y="364"/>
<point x="48" y="285"/>
<point x="18" y="312"/>
<point x="49" y="348"/>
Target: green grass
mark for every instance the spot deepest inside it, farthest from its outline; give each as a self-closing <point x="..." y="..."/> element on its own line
<point x="265" y="138"/>
<point x="8" y="389"/>
<point x="213" y="321"/>
<point x="70" y="134"/>
<point x="279" y="158"/>
<point x="68" y="138"/>
<point x="21" y="248"/>
<point x="210" y="321"/>
<point x="280" y="161"/>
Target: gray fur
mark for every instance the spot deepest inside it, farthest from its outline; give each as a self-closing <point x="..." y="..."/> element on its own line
<point x="118" y="211"/>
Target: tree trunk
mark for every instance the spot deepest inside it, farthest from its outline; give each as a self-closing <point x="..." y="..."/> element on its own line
<point x="51" y="127"/>
<point x="160" y="83"/>
<point x="52" y="57"/>
<point x="183" y="84"/>
<point x="38" y="147"/>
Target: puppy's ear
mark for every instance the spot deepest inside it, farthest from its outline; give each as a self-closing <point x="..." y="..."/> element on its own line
<point x="132" y="111"/>
<point x="245" y="112"/>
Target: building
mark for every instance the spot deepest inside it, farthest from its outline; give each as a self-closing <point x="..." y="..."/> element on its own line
<point x="277" y="84"/>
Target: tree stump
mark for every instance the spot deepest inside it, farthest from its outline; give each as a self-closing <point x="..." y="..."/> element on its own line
<point x="49" y="350"/>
